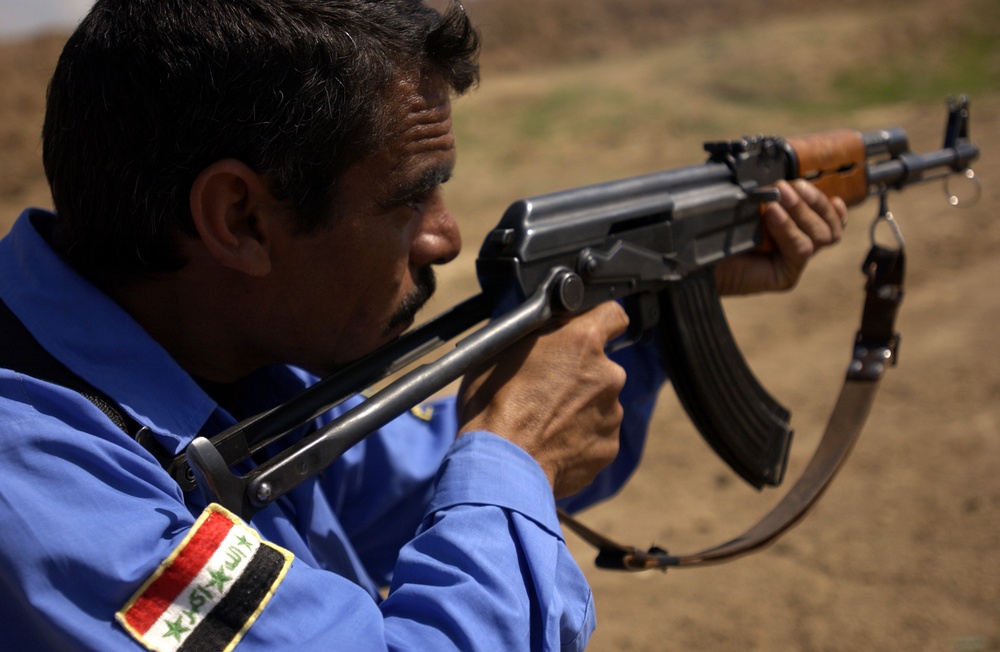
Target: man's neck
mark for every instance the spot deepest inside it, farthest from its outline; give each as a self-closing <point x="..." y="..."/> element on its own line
<point x="194" y="322"/>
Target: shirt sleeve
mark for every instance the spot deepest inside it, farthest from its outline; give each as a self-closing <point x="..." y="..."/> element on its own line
<point x="491" y="534"/>
<point x="92" y="524"/>
<point x="487" y="570"/>
<point x="380" y="488"/>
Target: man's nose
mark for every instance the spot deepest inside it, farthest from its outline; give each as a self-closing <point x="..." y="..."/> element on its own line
<point x="438" y="239"/>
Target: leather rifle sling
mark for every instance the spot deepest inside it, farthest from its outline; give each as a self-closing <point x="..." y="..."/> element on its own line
<point x="874" y="350"/>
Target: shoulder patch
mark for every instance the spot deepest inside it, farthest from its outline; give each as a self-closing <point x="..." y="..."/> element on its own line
<point x="209" y="591"/>
<point x="422" y="412"/>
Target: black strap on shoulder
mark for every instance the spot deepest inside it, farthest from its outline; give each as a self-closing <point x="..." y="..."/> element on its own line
<point x="21" y="352"/>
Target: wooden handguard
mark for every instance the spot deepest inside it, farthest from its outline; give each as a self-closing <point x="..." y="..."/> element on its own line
<point x="834" y="162"/>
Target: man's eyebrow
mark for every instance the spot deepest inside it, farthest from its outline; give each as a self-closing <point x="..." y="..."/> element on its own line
<point x="421" y="186"/>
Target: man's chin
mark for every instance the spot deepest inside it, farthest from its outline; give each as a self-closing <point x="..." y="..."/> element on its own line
<point x="389" y="335"/>
<point x="411" y="304"/>
<point x="396" y="329"/>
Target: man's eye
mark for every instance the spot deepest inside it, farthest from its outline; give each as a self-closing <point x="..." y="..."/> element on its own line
<point x="420" y="204"/>
<point x="417" y="201"/>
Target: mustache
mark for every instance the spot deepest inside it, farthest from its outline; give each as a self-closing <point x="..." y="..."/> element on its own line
<point x="426" y="285"/>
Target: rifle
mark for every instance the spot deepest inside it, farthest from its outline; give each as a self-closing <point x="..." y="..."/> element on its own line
<point x="651" y="242"/>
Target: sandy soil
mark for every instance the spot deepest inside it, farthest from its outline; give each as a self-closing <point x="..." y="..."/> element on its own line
<point x="903" y="553"/>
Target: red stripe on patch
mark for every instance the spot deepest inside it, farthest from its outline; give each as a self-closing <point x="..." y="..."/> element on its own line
<point x="161" y="593"/>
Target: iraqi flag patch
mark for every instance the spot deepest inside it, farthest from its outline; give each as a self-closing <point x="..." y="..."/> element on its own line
<point x="209" y="591"/>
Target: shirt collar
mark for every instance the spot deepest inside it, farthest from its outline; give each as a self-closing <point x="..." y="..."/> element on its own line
<point x="95" y="338"/>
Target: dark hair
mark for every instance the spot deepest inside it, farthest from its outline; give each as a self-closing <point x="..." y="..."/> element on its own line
<point x="147" y="93"/>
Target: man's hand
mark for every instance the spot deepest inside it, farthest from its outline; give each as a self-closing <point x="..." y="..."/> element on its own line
<point x="796" y="227"/>
<point x="555" y="395"/>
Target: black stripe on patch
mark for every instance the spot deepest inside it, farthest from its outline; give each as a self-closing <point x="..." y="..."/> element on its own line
<point x="228" y="617"/>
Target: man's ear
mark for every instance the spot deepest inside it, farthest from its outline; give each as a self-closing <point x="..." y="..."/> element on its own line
<point x="233" y="211"/>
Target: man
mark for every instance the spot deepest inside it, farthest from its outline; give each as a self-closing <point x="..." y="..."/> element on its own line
<point x="248" y="195"/>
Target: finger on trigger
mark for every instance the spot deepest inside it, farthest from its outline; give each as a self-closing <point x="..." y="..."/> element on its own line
<point x="617" y="318"/>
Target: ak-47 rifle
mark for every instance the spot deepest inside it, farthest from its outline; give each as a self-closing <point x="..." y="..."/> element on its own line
<point x="650" y="241"/>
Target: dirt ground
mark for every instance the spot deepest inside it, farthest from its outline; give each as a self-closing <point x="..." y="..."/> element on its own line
<point x="903" y="553"/>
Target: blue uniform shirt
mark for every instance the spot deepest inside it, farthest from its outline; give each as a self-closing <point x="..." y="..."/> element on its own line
<point x="463" y="532"/>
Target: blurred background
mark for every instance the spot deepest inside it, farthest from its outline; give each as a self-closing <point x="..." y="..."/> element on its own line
<point x="903" y="553"/>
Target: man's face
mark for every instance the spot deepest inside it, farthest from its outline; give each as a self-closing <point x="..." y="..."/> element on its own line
<point x="356" y="284"/>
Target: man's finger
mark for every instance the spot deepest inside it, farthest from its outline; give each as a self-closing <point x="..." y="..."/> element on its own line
<point x="820" y="218"/>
